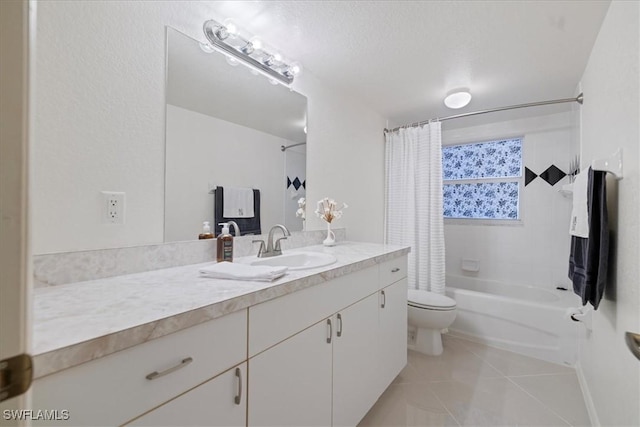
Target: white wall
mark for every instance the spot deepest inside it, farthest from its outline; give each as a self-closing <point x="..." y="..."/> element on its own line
<point x="535" y="252"/>
<point x="610" y="119"/>
<point x="203" y="152"/>
<point x="100" y="74"/>
<point x="345" y="160"/>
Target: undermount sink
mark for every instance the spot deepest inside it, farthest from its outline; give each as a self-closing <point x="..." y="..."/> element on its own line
<point x="298" y="260"/>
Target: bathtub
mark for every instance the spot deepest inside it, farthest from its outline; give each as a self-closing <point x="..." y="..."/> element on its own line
<point x="524" y="319"/>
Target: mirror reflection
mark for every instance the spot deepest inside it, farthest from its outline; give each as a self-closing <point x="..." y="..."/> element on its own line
<point x="229" y="133"/>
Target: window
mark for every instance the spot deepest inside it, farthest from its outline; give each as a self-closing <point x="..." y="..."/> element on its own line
<point x="482" y="180"/>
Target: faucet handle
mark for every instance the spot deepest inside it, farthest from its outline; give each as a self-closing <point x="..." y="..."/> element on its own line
<point x="262" y="249"/>
<point x="277" y="248"/>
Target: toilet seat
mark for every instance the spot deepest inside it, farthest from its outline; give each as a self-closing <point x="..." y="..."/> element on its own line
<point x="430" y="301"/>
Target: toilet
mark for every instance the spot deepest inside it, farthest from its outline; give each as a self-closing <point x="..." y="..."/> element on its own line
<point x="430" y="313"/>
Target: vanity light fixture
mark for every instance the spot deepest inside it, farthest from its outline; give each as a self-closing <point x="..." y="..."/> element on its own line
<point x="250" y="51"/>
<point x="458" y="99"/>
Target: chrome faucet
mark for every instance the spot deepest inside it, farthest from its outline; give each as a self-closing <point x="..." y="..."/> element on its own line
<point x="272" y="249"/>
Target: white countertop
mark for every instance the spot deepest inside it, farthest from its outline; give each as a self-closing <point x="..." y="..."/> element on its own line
<point x="79" y="322"/>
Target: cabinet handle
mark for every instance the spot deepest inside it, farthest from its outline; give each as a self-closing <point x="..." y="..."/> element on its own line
<point x="395" y="270"/>
<point x="330" y="331"/>
<point x="384" y="299"/>
<point x="238" y="397"/>
<point x="339" y="333"/>
<point x="156" y="374"/>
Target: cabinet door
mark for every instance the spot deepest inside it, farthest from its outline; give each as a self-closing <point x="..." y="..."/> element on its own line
<point x="355" y="362"/>
<point x="392" y="350"/>
<point x="221" y="401"/>
<point x="290" y="383"/>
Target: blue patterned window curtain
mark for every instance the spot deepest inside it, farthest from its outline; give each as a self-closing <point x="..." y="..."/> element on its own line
<point x="486" y="196"/>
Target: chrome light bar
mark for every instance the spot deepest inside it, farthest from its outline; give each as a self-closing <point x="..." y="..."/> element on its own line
<point x="226" y="38"/>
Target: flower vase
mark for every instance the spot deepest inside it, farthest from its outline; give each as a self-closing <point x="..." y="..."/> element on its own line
<point x="331" y="237"/>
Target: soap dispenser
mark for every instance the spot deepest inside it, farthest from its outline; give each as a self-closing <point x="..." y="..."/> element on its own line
<point x="225" y="244"/>
<point x="206" y="231"/>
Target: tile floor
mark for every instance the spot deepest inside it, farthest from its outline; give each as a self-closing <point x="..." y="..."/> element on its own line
<point x="472" y="384"/>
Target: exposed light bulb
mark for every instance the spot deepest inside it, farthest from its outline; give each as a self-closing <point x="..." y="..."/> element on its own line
<point x="294" y="69"/>
<point x="206" y="47"/>
<point x="257" y="43"/>
<point x="268" y="60"/>
<point x="248" y="48"/>
<point x="230" y="25"/>
<point x="231" y="60"/>
<point x="277" y="56"/>
<point x="458" y="99"/>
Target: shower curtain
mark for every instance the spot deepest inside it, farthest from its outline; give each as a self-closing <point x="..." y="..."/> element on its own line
<point x="413" y="208"/>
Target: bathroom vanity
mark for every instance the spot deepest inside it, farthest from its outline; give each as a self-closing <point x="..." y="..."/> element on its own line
<point x="316" y="347"/>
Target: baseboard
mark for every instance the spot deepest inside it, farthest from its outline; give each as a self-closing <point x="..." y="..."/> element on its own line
<point x="588" y="401"/>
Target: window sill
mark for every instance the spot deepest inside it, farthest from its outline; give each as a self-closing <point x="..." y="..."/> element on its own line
<point x="484" y="222"/>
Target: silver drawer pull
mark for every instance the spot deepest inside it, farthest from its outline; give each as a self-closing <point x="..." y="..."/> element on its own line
<point x="395" y="270"/>
<point x="339" y="333"/>
<point x="238" y="397"/>
<point x="156" y="374"/>
<point x="384" y="299"/>
<point x="330" y="331"/>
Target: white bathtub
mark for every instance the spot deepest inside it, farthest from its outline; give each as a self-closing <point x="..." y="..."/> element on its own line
<point x="523" y="319"/>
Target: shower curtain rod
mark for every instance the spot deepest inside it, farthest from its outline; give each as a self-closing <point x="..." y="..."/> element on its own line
<point x="284" y="147"/>
<point x="577" y="99"/>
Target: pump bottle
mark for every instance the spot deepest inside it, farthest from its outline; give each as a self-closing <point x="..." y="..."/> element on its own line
<point x="225" y="244"/>
<point x="206" y="231"/>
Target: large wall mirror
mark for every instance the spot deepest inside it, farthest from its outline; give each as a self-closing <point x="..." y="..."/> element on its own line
<point x="226" y="127"/>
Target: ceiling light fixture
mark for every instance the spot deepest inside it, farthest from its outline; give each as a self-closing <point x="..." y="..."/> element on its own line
<point x="458" y="99"/>
<point x="250" y="51"/>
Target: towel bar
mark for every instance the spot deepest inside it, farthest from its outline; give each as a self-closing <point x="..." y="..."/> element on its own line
<point x="612" y="164"/>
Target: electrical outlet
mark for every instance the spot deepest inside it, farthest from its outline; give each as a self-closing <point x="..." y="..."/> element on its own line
<point x="113" y="207"/>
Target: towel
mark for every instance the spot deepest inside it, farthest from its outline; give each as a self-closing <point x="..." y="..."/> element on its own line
<point x="579" y="224"/>
<point x="247" y="225"/>
<point x="238" y="203"/>
<point x="589" y="258"/>
<point x="229" y="270"/>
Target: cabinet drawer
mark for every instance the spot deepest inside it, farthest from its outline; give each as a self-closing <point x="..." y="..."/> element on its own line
<point x="211" y="404"/>
<point x="278" y="319"/>
<point x="115" y="388"/>
<point x="392" y="271"/>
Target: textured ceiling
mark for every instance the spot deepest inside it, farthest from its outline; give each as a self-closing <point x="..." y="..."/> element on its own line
<point x="401" y="58"/>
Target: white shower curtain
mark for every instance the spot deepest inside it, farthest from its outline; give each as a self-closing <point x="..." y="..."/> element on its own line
<point x="413" y="210"/>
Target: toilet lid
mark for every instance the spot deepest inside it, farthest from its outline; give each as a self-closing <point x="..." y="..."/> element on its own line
<point x="425" y="299"/>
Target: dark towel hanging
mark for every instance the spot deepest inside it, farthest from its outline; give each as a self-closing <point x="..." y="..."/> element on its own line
<point x="247" y="225"/>
<point x="589" y="258"/>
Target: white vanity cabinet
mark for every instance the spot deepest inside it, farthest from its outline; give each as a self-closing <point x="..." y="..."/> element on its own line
<point x="323" y="356"/>
<point x="220" y="401"/>
<point x="115" y="389"/>
<point x="319" y="356"/>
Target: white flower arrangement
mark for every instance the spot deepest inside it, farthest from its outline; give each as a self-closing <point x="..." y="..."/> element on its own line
<point x="328" y="209"/>
<point x="302" y="208"/>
